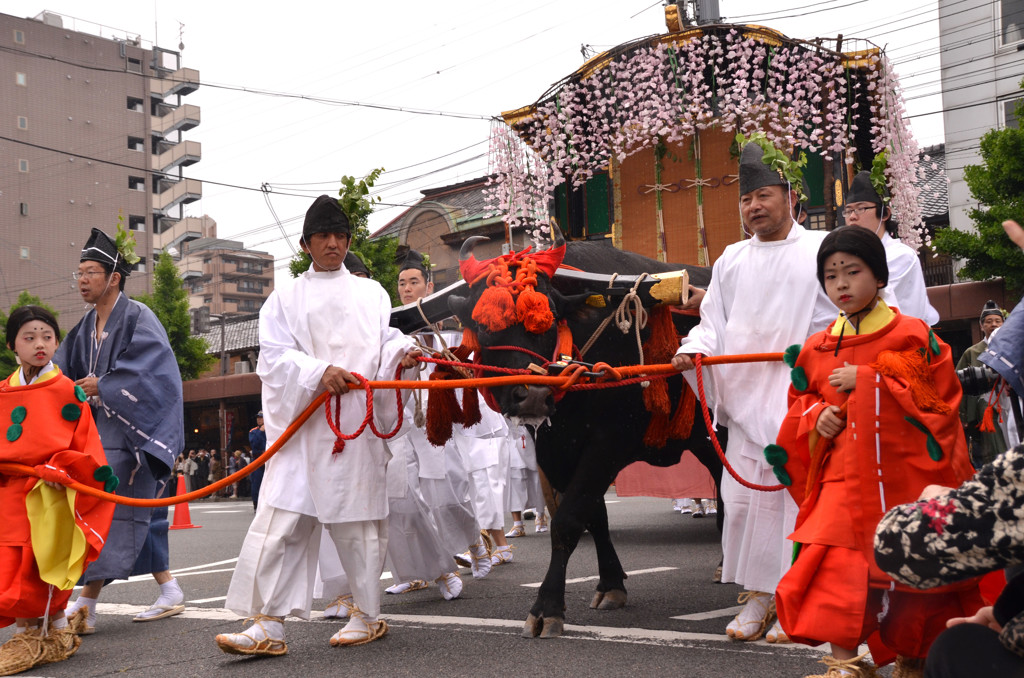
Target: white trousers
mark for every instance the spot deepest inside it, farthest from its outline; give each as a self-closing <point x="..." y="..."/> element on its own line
<point x="755" y="548"/>
<point x="277" y="565"/>
<point x="487" y="492"/>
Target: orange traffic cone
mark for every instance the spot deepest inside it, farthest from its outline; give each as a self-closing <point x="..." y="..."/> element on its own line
<point x="182" y="518"/>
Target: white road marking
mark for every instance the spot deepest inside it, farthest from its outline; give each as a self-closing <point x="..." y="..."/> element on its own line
<point x="578" y="580"/>
<point x="711" y="614"/>
<point x="612" y="501"/>
<point x="211" y="512"/>
<point x="637" y="636"/>
<point x="207" y="600"/>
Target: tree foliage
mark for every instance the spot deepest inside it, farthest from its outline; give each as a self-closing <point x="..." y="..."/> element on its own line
<point x="378" y="254"/>
<point x="169" y="301"/>
<point x="998" y="186"/>
<point x="7" y="362"/>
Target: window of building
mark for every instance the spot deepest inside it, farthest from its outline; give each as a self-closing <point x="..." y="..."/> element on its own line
<point x="136" y="144"/>
<point x="249" y="305"/>
<point x="230" y="300"/>
<point x="23" y="207"/>
<point x="1011" y="19"/>
<point x="24" y="253"/>
<point x="21" y="79"/>
<point x="207" y="260"/>
<point x="136" y="183"/>
<point x="135" y="104"/>
<point x="134" y="65"/>
<point x="19" y="36"/>
<point x="22" y="122"/>
<point x="585" y="211"/>
<point x="1008" y="112"/>
<point x="250" y="285"/>
<point x="249" y="266"/>
<point x="207" y="300"/>
<point x="22" y="165"/>
<point x="140" y="266"/>
<point x="136" y="223"/>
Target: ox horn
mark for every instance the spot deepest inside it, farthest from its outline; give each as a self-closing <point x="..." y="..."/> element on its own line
<point x="467" y="247"/>
<point x="557" y="239"/>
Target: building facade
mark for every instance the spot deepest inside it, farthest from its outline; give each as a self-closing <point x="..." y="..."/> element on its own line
<point x="224" y="277"/>
<point x="93" y="129"/>
<point x="982" y="57"/>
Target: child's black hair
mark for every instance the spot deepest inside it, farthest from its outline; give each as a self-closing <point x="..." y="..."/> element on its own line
<point x="857" y="241"/>
<point x="26" y="314"/>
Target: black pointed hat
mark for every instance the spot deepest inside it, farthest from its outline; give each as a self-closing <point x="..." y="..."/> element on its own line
<point x="414" y="259"/>
<point x="355" y="265"/>
<point x="754" y="174"/>
<point x="100" y="247"/>
<point x="863" y="191"/>
<point x="990" y="308"/>
<point x="857" y="241"/>
<point x="325" y="216"/>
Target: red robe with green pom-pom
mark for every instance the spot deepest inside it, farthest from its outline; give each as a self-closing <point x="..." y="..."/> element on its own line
<point x="45" y="425"/>
<point x="902" y="433"/>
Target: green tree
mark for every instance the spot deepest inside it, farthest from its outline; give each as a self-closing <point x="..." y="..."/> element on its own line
<point x="7" y="362"/>
<point x="998" y="186"/>
<point x="378" y="254"/>
<point x="169" y="301"/>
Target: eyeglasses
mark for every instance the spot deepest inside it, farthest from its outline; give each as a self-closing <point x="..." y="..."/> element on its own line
<point x="78" y="275"/>
<point x="850" y="211"/>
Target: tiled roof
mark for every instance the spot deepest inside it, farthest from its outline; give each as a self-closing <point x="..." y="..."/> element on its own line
<point x="464" y="200"/>
<point x="934" y="198"/>
<point x="241" y="333"/>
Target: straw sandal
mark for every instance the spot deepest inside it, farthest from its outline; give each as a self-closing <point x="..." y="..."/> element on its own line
<point x="242" y="643"/>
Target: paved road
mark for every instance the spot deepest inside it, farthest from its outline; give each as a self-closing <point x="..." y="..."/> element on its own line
<point x="673" y="624"/>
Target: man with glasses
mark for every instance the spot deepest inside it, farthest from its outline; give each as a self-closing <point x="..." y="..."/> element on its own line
<point x="868" y="208"/>
<point x="120" y="356"/>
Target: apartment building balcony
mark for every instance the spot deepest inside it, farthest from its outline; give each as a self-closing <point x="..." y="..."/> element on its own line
<point x="178" y="193"/>
<point x="179" y="155"/>
<point x="171" y="232"/>
<point x="180" y="119"/>
<point x="182" y="81"/>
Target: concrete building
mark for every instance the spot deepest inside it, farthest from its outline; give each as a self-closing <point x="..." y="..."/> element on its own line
<point x="92" y="127"/>
<point x="225" y="277"/>
<point x="982" y="57"/>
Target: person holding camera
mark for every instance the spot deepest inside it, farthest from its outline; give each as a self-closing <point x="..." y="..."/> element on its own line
<point x="985" y="409"/>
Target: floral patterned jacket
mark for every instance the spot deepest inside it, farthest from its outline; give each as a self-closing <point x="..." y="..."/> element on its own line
<point x="976" y="529"/>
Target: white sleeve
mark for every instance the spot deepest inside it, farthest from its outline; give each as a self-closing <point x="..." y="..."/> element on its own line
<point x="705" y="338"/>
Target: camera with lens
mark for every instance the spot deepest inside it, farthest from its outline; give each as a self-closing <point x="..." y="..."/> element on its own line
<point x="977" y="381"/>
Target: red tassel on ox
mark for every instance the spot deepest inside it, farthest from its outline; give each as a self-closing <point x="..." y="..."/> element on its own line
<point x="534" y="311"/>
<point x="470" y="407"/>
<point x="496" y="309"/>
<point x="470" y="342"/>
<point x="442" y="412"/>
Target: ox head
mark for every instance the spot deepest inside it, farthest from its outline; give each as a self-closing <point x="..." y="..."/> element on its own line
<point x="514" y="313"/>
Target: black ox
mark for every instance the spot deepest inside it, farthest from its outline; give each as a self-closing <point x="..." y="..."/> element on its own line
<point x="584" y="441"/>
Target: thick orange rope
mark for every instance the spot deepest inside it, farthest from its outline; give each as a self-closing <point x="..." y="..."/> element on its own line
<point x="569" y="376"/>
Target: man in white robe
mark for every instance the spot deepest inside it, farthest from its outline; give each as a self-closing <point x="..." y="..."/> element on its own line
<point x="313" y="335"/>
<point x="763" y="297"/>
<point x="865" y="208"/>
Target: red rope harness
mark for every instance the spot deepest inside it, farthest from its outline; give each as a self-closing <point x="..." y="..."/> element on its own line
<point x="339" y="443"/>
<point x="697" y="359"/>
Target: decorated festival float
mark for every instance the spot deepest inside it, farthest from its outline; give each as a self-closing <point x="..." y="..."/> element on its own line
<point x="639" y="148"/>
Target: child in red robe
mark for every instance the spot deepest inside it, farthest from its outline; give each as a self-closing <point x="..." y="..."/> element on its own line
<point x="50" y="532"/>
<point x="872" y="421"/>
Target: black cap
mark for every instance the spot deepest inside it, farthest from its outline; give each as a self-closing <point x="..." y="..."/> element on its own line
<point x="754" y="174"/>
<point x="100" y="247"/>
<point x="990" y="308"/>
<point x="857" y="241"/>
<point x="414" y="260"/>
<point x="861" y="190"/>
<point x="325" y="216"/>
<point x="355" y="265"/>
<point x="259" y="415"/>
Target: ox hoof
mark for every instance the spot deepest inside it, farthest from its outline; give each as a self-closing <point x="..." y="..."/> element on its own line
<point x="545" y="627"/>
<point x="609" y="600"/>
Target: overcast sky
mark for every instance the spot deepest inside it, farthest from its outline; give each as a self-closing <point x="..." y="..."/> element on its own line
<point x="468" y="60"/>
